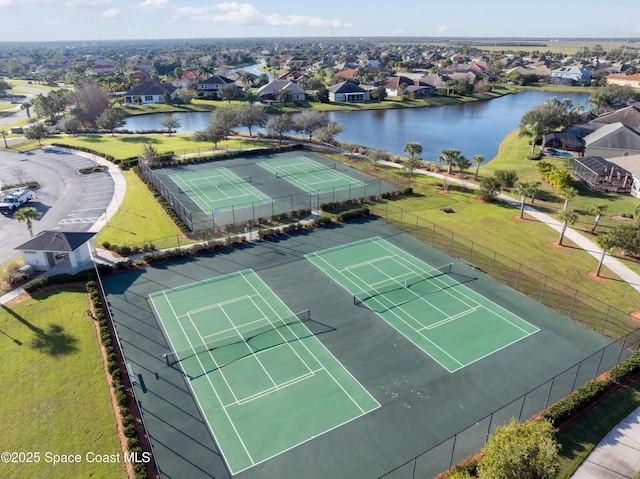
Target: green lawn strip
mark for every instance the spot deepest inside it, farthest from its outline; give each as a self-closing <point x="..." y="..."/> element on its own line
<point x="127" y="146"/>
<point x="580" y="436"/>
<point x="139" y="219"/>
<point x="56" y="396"/>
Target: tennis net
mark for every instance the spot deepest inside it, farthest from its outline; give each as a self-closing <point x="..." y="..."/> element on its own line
<point x="403" y="284"/>
<point x="250" y="337"/>
<point x="217" y="184"/>
<point x="304" y="169"/>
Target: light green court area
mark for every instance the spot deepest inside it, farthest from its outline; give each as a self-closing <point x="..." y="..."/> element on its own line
<point x="309" y="175"/>
<point x="218" y="189"/>
<point x="450" y="322"/>
<point x="264" y="383"/>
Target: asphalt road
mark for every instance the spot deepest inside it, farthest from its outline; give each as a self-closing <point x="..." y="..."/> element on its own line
<point x="67" y="200"/>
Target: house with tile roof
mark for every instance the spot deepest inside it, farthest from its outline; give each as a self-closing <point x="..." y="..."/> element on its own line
<point x="625" y="80"/>
<point x="269" y="93"/>
<point x="348" y="92"/>
<point x="149" y="91"/>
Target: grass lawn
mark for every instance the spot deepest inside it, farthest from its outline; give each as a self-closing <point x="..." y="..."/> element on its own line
<point x="139" y="219"/>
<point x="580" y="437"/>
<point x="127" y="146"/>
<point x="55" y="392"/>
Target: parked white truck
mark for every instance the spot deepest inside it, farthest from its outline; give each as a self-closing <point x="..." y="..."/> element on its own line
<point x="13" y="199"/>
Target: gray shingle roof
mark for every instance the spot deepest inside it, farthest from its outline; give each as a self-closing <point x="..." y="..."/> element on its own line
<point x="150" y="87"/>
<point x="346" y="87"/>
<point x="54" y="241"/>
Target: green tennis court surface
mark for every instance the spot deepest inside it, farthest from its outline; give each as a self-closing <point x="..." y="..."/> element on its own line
<point x="218" y="189"/>
<point x="451" y="323"/>
<point x="309" y="175"/>
<point x="263" y="382"/>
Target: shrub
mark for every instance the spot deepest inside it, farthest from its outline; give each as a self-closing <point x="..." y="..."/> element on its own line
<point x="576" y="401"/>
<point x="489" y="189"/>
<point x="130" y="430"/>
<point x="506" y="178"/>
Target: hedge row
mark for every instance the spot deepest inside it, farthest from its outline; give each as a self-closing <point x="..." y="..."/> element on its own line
<point x="62" y="278"/>
<point x="122" y="397"/>
<point x="338" y="206"/>
<point x="87" y="150"/>
<point x="353" y="214"/>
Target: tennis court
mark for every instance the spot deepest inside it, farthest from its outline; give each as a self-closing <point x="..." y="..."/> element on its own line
<point x="262" y="380"/>
<point x="451" y="323"/>
<point x="218" y="189"/>
<point x="309" y="175"/>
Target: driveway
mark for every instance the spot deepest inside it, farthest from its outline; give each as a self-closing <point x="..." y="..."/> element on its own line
<point x="67" y="200"/>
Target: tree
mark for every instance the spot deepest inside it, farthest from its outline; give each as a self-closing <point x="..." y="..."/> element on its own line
<point x="308" y="121"/>
<point x="521" y="451"/>
<point x="322" y="94"/>
<point x="228" y="91"/>
<point x="284" y="96"/>
<point x="327" y="134"/>
<point x="607" y="242"/>
<point x="379" y="155"/>
<point x="170" y="122"/>
<point x="551" y="115"/>
<point x="597" y="211"/>
<point x="149" y="153"/>
<point x="111" y="119"/>
<point x="412" y="148"/>
<point x="410" y="164"/>
<point x="26" y="106"/>
<point x="28" y="214"/>
<point x="477" y="160"/>
<point x="506" y="178"/>
<point x="186" y="95"/>
<point x="4" y="87"/>
<point x="566" y="194"/>
<point x="4" y="134"/>
<point x="450" y="157"/>
<point x="166" y="98"/>
<point x="88" y="102"/>
<point x="379" y="93"/>
<point x="462" y="164"/>
<point x="251" y="115"/>
<point x="533" y="189"/>
<point x="213" y="134"/>
<point x="225" y="119"/>
<point x="534" y="132"/>
<point x="278" y="125"/>
<point x="489" y="188"/>
<point x="36" y="132"/>
<point x="610" y="96"/>
<point x="522" y="188"/>
<point x="567" y="217"/>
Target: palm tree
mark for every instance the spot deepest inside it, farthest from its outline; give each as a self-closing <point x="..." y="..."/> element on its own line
<point x="597" y="210"/>
<point x="522" y="188"/>
<point x="533" y="185"/>
<point x="477" y="160"/>
<point x="412" y="148"/>
<point x="4" y="134"/>
<point x="462" y="164"/>
<point x="450" y="157"/>
<point x="567" y="217"/>
<point x="27" y="214"/>
<point x="25" y="106"/>
<point x="607" y="242"/>
<point x="566" y="194"/>
<point x="534" y="132"/>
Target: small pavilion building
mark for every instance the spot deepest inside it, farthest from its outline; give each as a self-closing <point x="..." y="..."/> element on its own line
<point x="68" y="251"/>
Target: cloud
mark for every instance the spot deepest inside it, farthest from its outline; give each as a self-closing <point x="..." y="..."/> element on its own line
<point x="234" y="13"/>
<point x="6" y="3"/>
<point x="442" y="29"/>
<point x="84" y="3"/>
<point x="111" y="13"/>
<point x="152" y="4"/>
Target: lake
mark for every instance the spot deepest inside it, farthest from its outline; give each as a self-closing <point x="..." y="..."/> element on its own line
<point x="474" y="128"/>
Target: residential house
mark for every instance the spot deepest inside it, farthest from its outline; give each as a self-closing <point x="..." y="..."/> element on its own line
<point x="102" y="69"/>
<point x="348" y="92"/>
<point x="187" y="78"/>
<point x="625" y="80"/>
<point x="211" y="85"/>
<point x="394" y="89"/>
<point x="611" y="141"/>
<point x="269" y="93"/>
<point x="150" y="91"/>
<point x="570" y="75"/>
<point x="600" y="175"/>
<point x="632" y="165"/>
<point x="629" y="116"/>
<point x="295" y="76"/>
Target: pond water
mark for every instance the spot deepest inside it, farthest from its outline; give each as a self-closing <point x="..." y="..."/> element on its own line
<point x="474" y="128"/>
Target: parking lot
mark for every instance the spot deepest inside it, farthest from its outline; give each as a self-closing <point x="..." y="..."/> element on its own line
<point x="68" y="200"/>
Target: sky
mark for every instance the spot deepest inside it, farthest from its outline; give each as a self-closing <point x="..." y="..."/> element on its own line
<point x="59" y="20"/>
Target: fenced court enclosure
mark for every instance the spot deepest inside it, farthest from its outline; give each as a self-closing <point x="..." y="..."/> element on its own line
<point x="237" y="190"/>
<point x="343" y="351"/>
<point x="448" y="321"/>
<point x="252" y="364"/>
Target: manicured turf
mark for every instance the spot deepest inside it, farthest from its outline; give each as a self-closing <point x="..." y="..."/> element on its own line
<point x="55" y="397"/>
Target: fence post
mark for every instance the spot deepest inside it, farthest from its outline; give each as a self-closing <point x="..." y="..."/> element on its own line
<point x="575" y="379"/>
<point x="624" y="341"/>
<point x="471" y="253"/>
<point x="515" y="285"/>
<point x="416" y="232"/>
<point x="606" y="316"/>
<point x="489" y="427"/>
<point x="451" y="244"/>
<point x="546" y="403"/>
<point x="599" y="363"/>
<point x="493" y="264"/>
<point x="453" y="450"/>
<point x="573" y="301"/>
<point x="544" y="285"/>
<point x="524" y="399"/>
